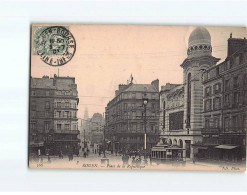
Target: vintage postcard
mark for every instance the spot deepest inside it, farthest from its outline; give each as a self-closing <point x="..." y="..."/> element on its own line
<point x="138" y="97"/>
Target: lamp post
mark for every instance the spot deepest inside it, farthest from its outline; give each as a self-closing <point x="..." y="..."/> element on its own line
<point x="145" y="102"/>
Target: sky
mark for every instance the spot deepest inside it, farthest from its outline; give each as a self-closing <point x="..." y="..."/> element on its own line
<point x="106" y="56"/>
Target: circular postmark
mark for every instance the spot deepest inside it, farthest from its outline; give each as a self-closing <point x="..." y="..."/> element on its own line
<point x="55" y="45"/>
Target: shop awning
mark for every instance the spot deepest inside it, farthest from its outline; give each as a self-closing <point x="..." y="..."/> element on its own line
<point x="201" y="147"/>
<point x="227" y="147"/>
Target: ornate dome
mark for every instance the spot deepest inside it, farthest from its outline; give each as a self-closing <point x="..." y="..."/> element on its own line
<point x="199" y="43"/>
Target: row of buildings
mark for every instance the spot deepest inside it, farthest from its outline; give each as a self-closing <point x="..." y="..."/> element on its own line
<point x="205" y="115"/>
<point x="92" y="129"/>
<point x="53" y="126"/>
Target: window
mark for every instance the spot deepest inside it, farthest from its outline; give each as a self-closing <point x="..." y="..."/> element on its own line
<point x="227" y="85"/>
<point x="125" y="105"/>
<point x="134" y="127"/>
<point x="236" y="98"/>
<point x="226" y="124"/>
<point x="134" y="115"/>
<point x="217" y="71"/>
<point x="153" y="105"/>
<point x="47" y="104"/>
<point x="66" y="104"/>
<point x="216" y="122"/>
<point x="66" y="114"/>
<point x="133" y="105"/>
<point x="217" y="88"/>
<point x="133" y="95"/>
<point x="152" y="127"/>
<point x="227" y="100"/>
<point x="240" y="58"/>
<point x="33" y="125"/>
<point x="47" y="125"/>
<point x="67" y="126"/>
<point x="47" y="114"/>
<point x="207" y="123"/>
<point x="164" y="115"/>
<point x="33" y="93"/>
<point x="217" y="103"/>
<point x="208" y="105"/>
<point x="245" y="98"/>
<point x="59" y="104"/>
<point x="237" y="60"/>
<point x="153" y="96"/>
<point x="245" y="80"/>
<point x="207" y="91"/>
<point x="59" y="126"/>
<point x="235" y="123"/>
<point x="236" y="82"/>
<point x="58" y="114"/>
<point x="33" y="105"/>
<point x="176" y="120"/>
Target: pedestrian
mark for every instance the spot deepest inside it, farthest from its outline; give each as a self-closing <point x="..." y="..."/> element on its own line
<point x="123" y="159"/>
<point x="71" y="155"/>
<point x="127" y="160"/>
<point x="133" y="163"/>
<point x="138" y="162"/>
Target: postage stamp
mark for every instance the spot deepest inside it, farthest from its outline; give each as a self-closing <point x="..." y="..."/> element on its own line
<point x="55" y="45"/>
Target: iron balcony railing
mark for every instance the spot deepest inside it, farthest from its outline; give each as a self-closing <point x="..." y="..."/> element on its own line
<point x="67" y="131"/>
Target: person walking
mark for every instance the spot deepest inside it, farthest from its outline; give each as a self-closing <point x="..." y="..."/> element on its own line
<point x="133" y="162"/>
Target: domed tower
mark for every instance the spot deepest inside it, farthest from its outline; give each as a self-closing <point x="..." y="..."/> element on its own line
<point x="199" y="43"/>
<point x="199" y="59"/>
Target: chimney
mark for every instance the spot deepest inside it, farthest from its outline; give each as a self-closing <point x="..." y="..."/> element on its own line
<point x="121" y="87"/>
<point x="116" y="92"/>
<point x="155" y="83"/>
<point x="234" y="44"/>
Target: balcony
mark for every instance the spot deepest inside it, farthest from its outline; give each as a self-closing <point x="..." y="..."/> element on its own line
<point x="67" y="131"/>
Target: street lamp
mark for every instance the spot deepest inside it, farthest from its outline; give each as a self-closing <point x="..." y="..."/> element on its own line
<point x="145" y="102"/>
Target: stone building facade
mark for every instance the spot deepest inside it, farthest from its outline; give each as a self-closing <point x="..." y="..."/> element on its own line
<point x="53" y="115"/>
<point x="124" y="117"/>
<point x="198" y="60"/>
<point x="97" y="123"/>
<point x="225" y="101"/>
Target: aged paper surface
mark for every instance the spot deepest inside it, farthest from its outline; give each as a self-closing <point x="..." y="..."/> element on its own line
<point x="138" y="97"/>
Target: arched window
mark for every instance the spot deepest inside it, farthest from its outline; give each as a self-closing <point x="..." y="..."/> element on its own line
<point x="175" y="142"/>
<point x="188" y="100"/>
<point x="164" y="115"/>
<point x="180" y="143"/>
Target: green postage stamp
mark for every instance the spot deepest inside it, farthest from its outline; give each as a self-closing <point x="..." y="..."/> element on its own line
<point x="54" y="44"/>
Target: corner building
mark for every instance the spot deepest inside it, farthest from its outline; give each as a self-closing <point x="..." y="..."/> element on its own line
<point x="124" y="117"/>
<point x="53" y="115"/>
